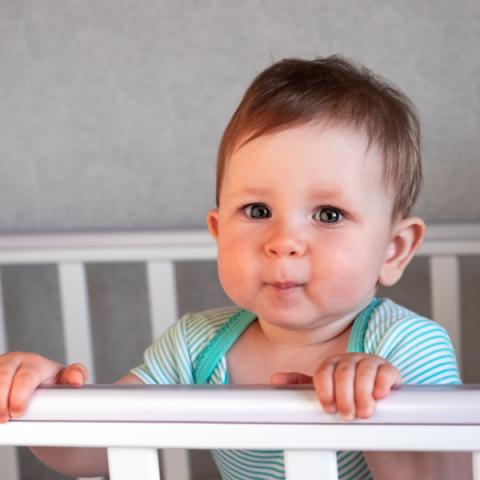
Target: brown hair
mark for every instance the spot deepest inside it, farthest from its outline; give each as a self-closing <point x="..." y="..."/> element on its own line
<point x="293" y="92"/>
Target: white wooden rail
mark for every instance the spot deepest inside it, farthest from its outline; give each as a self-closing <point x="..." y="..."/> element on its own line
<point x="412" y="418"/>
<point x="159" y="250"/>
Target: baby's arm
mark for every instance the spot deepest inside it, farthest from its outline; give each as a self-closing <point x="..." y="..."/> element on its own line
<point x="79" y="462"/>
<point x="20" y="374"/>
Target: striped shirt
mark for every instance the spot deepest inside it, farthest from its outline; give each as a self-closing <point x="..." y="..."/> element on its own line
<point x="418" y="347"/>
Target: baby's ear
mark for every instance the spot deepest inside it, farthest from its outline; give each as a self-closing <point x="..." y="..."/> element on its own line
<point x="407" y="236"/>
<point x="212" y="222"/>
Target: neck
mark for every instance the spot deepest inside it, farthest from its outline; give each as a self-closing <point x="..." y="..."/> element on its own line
<point x="317" y="336"/>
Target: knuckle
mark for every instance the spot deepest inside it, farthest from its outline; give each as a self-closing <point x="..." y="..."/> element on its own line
<point x="319" y="376"/>
<point x="328" y="362"/>
<point x="342" y="372"/>
<point x="32" y="357"/>
<point x="26" y="376"/>
<point x="389" y="368"/>
<point x="343" y="367"/>
<point x="365" y="370"/>
<point x="5" y="376"/>
<point x="8" y="361"/>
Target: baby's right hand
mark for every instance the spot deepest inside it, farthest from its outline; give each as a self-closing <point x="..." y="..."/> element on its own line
<point x="21" y="373"/>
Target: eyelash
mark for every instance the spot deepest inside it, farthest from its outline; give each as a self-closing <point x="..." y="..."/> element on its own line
<point x="247" y="210"/>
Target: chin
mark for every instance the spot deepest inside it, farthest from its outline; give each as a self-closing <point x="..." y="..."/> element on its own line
<point x="289" y="318"/>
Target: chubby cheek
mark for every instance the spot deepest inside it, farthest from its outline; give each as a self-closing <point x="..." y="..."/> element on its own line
<point x="348" y="274"/>
<point x="235" y="272"/>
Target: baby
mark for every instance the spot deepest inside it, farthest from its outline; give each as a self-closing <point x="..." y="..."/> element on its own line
<point x="317" y="173"/>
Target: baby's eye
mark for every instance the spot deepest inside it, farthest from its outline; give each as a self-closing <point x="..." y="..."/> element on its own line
<point x="328" y="215"/>
<point x="257" y="211"/>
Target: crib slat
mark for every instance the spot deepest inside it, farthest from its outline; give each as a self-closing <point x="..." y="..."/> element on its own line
<point x="76" y="316"/>
<point x="9" y="463"/>
<point x="129" y="463"/>
<point x="162" y="296"/>
<point x="163" y="313"/>
<point x="445" y="291"/>
<point x="3" y="329"/>
<point x="310" y="465"/>
<point x="8" y="455"/>
<point x="476" y="465"/>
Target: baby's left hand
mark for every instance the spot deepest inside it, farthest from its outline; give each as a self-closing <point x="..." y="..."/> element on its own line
<point x="350" y="383"/>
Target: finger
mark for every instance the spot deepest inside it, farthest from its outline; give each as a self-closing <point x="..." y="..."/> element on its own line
<point x="33" y="370"/>
<point x="8" y="368"/>
<point x="25" y="381"/>
<point x="387" y="377"/>
<point x="75" y="374"/>
<point x="365" y="378"/>
<point x="344" y="380"/>
<point x="324" y="385"/>
<point x="290" y="378"/>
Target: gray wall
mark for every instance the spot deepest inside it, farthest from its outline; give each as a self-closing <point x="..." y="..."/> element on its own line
<point x="111" y="111"/>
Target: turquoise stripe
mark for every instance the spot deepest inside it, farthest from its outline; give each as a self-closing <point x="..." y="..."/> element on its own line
<point x="397" y="334"/>
<point x="359" y="473"/>
<point x="252" y="462"/>
<point x="345" y="458"/>
<point x="434" y="356"/>
<point x="439" y="374"/>
<point x="354" y="468"/>
<point x="366" y="476"/>
<point x="230" y="464"/>
<point x="416" y="339"/>
<point x="432" y="350"/>
<point x="351" y="457"/>
<point x="360" y="324"/>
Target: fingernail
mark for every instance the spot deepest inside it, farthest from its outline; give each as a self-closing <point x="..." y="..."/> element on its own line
<point x="330" y="409"/>
<point x="365" y="413"/>
<point x="347" y="417"/>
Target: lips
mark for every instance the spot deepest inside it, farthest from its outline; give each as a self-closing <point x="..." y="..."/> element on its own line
<point x="285" y="285"/>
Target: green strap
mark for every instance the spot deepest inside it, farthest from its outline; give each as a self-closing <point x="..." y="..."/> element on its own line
<point x="237" y="324"/>
<point x="359" y="329"/>
<point x="220" y="344"/>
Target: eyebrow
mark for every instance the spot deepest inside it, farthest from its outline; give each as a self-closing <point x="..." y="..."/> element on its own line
<point x="251" y="190"/>
<point x="331" y="195"/>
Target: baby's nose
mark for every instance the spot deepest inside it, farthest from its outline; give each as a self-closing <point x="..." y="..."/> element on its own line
<point x="285" y="245"/>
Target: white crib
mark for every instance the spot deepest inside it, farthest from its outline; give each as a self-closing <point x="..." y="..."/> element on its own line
<point x="226" y="417"/>
<point x="302" y="441"/>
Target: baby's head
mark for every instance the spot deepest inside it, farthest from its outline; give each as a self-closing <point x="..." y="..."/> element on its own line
<point x="333" y="91"/>
<point x="318" y="170"/>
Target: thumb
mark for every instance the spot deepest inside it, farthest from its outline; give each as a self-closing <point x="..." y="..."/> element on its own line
<point x="75" y="374"/>
<point x="290" y="378"/>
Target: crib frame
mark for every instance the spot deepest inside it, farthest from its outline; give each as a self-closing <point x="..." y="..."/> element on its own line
<point x="159" y="251"/>
<point x="225" y="417"/>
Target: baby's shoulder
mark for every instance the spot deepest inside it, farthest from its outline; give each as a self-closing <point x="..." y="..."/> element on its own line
<point x="200" y="327"/>
<point x="417" y="346"/>
<point x="392" y="324"/>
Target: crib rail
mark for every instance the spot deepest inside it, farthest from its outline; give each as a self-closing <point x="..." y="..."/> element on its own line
<point x="225" y="417"/>
<point x="159" y="251"/>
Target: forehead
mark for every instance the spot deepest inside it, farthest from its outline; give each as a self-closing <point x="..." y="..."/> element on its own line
<point x="329" y="154"/>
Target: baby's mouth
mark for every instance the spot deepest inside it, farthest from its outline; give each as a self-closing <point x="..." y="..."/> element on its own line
<point x="286" y="285"/>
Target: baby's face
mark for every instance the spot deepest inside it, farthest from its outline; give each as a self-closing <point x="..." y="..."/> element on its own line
<point x="303" y="226"/>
